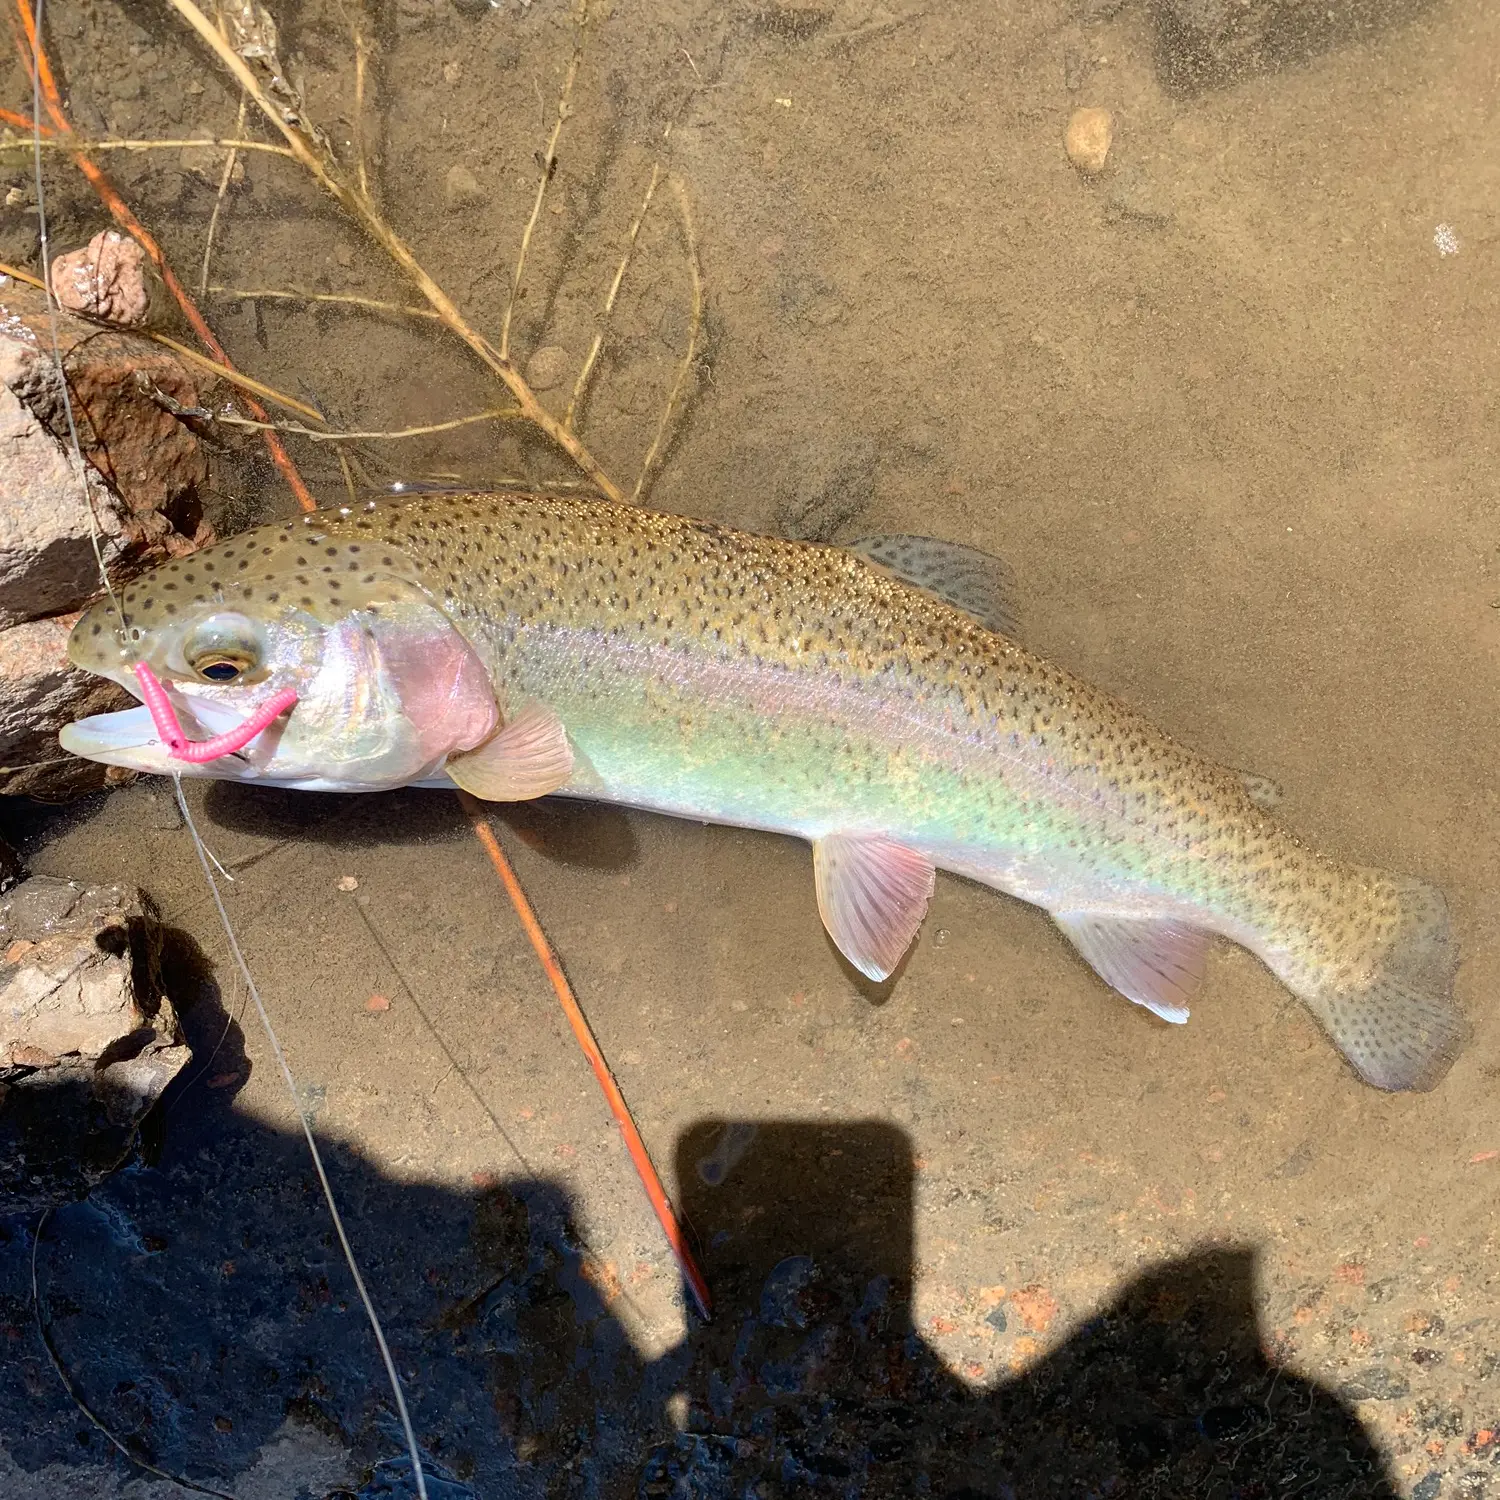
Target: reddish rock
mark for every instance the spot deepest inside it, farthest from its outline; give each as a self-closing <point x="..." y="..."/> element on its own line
<point x="151" y="459"/>
<point x="107" y="279"/>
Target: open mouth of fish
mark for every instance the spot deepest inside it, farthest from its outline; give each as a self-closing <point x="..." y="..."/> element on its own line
<point x="128" y="738"/>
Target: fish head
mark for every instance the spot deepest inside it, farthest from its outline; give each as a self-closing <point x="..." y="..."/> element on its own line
<point x="387" y="686"/>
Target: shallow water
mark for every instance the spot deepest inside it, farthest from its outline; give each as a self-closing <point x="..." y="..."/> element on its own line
<point x="1229" y="413"/>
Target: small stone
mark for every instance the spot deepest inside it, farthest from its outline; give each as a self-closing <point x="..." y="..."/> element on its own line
<point x="461" y="188"/>
<point x="452" y="71"/>
<point x="106" y="279"/>
<point x="378" y="1004"/>
<point x="1375" y="1383"/>
<point x="547" y="367"/>
<point x="348" y="883"/>
<point x="1087" y="139"/>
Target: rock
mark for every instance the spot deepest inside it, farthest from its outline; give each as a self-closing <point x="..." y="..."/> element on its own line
<point x="1375" y="1383"/>
<point x="47" y="560"/>
<point x="107" y="279"/>
<point x="153" y="460"/>
<point x="548" y="367"/>
<point x="1087" y="139"/>
<point x="461" y="188"/>
<point x="87" y="1040"/>
<point x="40" y="691"/>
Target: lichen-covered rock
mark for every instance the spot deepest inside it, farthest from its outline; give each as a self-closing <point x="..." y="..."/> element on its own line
<point x="40" y="691"/>
<point x="87" y="1040"/>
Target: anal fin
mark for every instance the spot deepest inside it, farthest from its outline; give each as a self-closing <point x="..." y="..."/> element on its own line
<point x="1156" y="964"/>
<point x="529" y="758"/>
<point x="872" y="896"/>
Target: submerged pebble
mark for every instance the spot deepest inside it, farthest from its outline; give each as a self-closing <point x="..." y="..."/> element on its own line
<point x="547" y="367"/>
<point x="461" y="188"/>
<point x="1088" y="138"/>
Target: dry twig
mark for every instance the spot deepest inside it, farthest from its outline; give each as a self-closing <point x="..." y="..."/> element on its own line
<point x="291" y="294"/>
<point x="690" y="238"/>
<point x="328" y="176"/>
<point x="549" y="167"/>
<point x="580" y="387"/>
<point x="234" y="377"/>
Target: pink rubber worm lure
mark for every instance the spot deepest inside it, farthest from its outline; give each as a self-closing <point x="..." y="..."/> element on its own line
<point x="179" y="746"/>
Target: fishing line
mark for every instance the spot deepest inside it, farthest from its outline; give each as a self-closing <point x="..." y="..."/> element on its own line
<point x="206" y="860"/>
<point x="312" y="1145"/>
<point x="95" y="530"/>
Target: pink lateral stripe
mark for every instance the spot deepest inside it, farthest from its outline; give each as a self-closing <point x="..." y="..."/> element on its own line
<point x="180" y="747"/>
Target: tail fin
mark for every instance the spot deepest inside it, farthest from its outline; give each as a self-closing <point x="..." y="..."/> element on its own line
<point x="1381" y="981"/>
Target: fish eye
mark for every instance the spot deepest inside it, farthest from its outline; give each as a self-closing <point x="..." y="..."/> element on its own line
<point x="219" y="669"/>
<point x="224" y="648"/>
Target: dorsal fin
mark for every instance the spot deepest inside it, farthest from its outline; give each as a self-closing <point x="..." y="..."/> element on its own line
<point x="965" y="577"/>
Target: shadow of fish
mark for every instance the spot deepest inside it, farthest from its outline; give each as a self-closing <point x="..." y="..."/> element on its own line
<point x="869" y="699"/>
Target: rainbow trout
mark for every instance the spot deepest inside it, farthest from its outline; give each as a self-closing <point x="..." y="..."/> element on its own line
<point x="868" y="699"/>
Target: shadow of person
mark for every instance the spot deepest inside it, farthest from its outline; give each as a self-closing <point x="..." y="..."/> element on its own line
<point x="813" y="1379"/>
<point x="200" y="1303"/>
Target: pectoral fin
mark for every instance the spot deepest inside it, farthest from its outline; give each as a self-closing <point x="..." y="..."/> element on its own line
<point x="529" y="758"/>
<point x="1156" y="964"/>
<point x="872" y="896"/>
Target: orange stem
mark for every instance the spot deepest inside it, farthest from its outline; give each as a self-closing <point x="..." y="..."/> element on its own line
<point x="584" y="1034"/>
<point x="22" y="122"/>
<point x="120" y="212"/>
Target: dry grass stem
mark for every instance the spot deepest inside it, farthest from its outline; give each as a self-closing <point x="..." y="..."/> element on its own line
<point x="9" y="142"/>
<point x="549" y="167"/>
<point x="363" y="212"/>
<point x="695" y="268"/>
<point x="584" y="375"/>
<point x="350" y="488"/>
<point x="322" y="435"/>
<point x="361" y="60"/>
<point x="347" y="299"/>
<point x="20" y="275"/>
<point x="245" y="382"/>
<point x="213" y="221"/>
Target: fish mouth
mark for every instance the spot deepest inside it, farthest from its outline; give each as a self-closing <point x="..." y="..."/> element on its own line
<point x="128" y="739"/>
